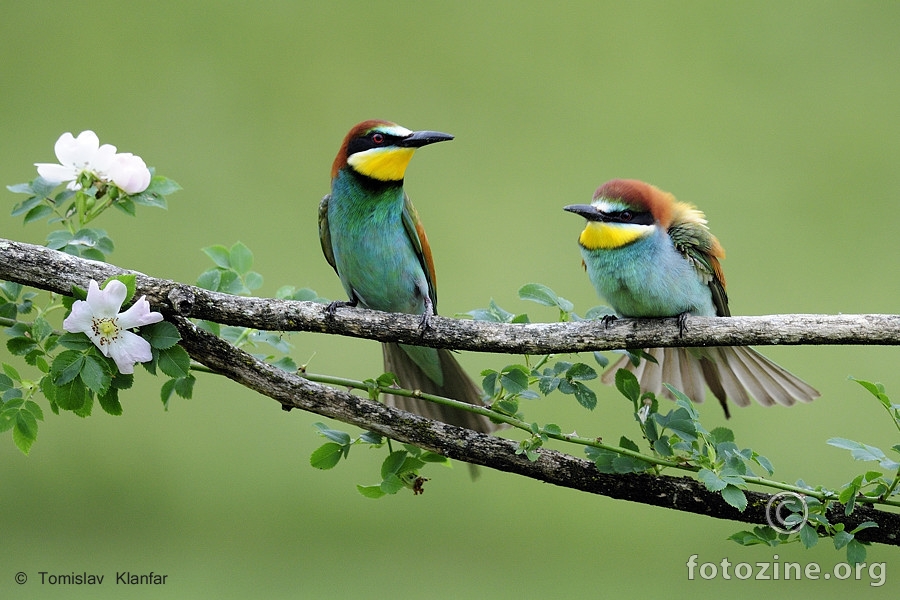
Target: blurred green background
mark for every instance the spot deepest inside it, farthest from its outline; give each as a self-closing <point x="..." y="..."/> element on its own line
<point x="780" y="120"/>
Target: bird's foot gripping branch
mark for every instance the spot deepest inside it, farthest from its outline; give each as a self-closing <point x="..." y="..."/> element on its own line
<point x="77" y="349"/>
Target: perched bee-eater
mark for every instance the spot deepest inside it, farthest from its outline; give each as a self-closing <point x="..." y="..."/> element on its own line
<point x="652" y="256"/>
<point x="372" y="237"/>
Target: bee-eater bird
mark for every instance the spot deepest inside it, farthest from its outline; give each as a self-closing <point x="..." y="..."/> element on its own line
<point x="372" y="237"/>
<point x="652" y="256"/>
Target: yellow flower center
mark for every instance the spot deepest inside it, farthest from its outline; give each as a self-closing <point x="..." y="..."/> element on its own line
<point x="106" y="328"/>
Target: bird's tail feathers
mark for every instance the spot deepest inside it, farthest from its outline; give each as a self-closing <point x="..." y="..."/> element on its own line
<point x="456" y="384"/>
<point x="737" y="373"/>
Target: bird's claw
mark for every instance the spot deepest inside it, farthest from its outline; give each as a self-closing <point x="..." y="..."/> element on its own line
<point x="682" y="323"/>
<point x="336" y="304"/>
<point x="607" y="320"/>
<point x="424" y="323"/>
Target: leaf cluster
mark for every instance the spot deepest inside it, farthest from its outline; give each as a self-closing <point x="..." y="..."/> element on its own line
<point x="400" y="468"/>
<point x="233" y="273"/>
<point x="74" y="209"/>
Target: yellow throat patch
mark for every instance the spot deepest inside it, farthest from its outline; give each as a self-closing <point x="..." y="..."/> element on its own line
<point x="605" y="236"/>
<point x="384" y="164"/>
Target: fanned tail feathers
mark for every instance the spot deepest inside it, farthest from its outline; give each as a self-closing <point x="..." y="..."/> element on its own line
<point x="737" y="373"/>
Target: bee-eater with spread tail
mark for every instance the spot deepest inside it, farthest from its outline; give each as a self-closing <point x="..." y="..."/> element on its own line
<point x="652" y="256"/>
<point x="372" y="237"/>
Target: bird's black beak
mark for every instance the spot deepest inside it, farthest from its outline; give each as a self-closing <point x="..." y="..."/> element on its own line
<point x="585" y="210"/>
<point x="422" y="138"/>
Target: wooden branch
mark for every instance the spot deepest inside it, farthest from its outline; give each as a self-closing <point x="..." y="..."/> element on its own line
<point x="678" y="493"/>
<point x="42" y="268"/>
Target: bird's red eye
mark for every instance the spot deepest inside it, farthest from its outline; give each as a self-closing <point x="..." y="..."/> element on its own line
<point x="626" y="216"/>
<point x="377" y="138"/>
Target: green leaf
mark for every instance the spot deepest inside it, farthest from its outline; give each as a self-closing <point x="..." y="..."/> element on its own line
<point x="759" y="535"/>
<point x="370" y="491"/>
<point x="75" y="341"/>
<point x="391" y="484"/>
<point x="860" y="451"/>
<point x="231" y="283"/>
<point x="326" y="456"/>
<point x="628" y="464"/>
<point x="20" y="346"/>
<point x="166" y="391"/>
<point x="624" y="442"/>
<point x="713" y="482"/>
<point x="210" y="279"/>
<point x="662" y="446"/>
<point x="339" y="437"/>
<point x="161" y="335"/>
<point x="585" y="396"/>
<point x="219" y="255"/>
<point x="175" y="362"/>
<point x="23" y="440"/>
<point x="126" y="205"/>
<point x="184" y="386"/>
<point x="96" y="375"/>
<point x="628" y="385"/>
<point x="722" y="434"/>
<point x="539" y="293"/>
<point x="122" y="381"/>
<point x="603" y="459"/>
<point x="514" y="379"/>
<point x="581" y="372"/>
<point x="507" y="406"/>
<point x="864" y="525"/>
<point x="494" y="314"/>
<point x="21" y="188"/>
<point x="240" y="258"/>
<point x="37" y="213"/>
<point x="162" y="186"/>
<point x="69" y="396"/>
<point x="109" y="402"/>
<point x="66" y="367"/>
<point x="876" y="389"/>
<point x="841" y="539"/>
<point x="808" y="536"/>
<point x="286" y="363"/>
<point x="11" y="372"/>
<point x="41" y="329"/>
<point x="601" y="359"/>
<point x="735" y="497"/>
<point x="393" y="462"/>
<point x="26" y="206"/>
<point x="145" y="199"/>
<point x="552" y="429"/>
<point x="431" y="457"/>
<point x="856" y="552"/>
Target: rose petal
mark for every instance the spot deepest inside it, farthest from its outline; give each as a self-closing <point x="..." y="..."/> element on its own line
<point x="128" y="349"/>
<point x="106" y="303"/>
<point x="81" y="319"/>
<point x="56" y="173"/>
<point x="139" y="314"/>
<point x="77" y="151"/>
<point x="129" y="173"/>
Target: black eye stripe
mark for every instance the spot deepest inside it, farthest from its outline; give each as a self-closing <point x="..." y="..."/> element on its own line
<point x="628" y="216"/>
<point x="373" y="139"/>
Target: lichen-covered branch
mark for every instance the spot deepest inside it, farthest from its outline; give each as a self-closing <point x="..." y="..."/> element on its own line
<point x="42" y="268"/>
